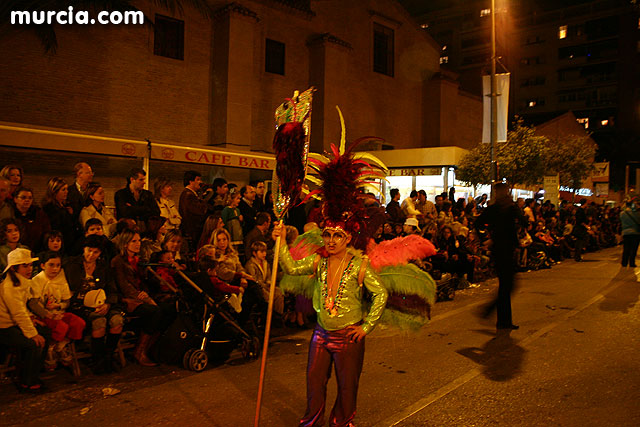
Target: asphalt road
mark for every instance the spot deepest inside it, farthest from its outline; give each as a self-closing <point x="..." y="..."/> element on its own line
<point x="574" y="361"/>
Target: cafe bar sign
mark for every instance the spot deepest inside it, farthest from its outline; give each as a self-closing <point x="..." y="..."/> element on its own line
<point x="416" y="172"/>
<point x="212" y="157"/>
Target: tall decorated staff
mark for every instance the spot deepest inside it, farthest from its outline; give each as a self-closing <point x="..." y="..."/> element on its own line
<point x="291" y="145"/>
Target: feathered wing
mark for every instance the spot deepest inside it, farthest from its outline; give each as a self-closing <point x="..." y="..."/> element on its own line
<point x="411" y="295"/>
<point x="298" y="285"/>
<point x="400" y="251"/>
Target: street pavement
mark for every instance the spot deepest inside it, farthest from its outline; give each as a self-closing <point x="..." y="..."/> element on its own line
<point x="574" y="361"/>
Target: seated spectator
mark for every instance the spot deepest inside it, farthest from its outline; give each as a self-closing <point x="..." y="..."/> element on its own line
<point x="152" y="238"/>
<point x="163" y="187"/>
<point x="259" y="233"/>
<point x="258" y="268"/>
<point x="445" y="217"/>
<point x="91" y="272"/>
<point x="133" y="201"/>
<point x="61" y="215"/>
<point x="77" y="196"/>
<point x="387" y="231"/>
<point x="49" y="302"/>
<point x="92" y="227"/>
<point x="229" y="267"/>
<point x="233" y="221"/>
<point x="394" y="212"/>
<point x="156" y="317"/>
<point x="34" y="223"/>
<point x="410" y="227"/>
<point x="211" y="225"/>
<point x="94" y="208"/>
<point x="9" y="239"/>
<point x="14" y="174"/>
<point x="546" y="242"/>
<point x="17" y="330"/>
<point x="53" y="242"/>
<point x="6" y="211"/>
<point x="220" y="288"/>
<point x="172" y="242"/>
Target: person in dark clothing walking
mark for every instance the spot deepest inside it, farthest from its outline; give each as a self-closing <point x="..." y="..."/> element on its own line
<point x="502" y="218"/>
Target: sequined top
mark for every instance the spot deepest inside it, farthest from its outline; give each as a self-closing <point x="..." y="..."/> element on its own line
<point x="349" y="306"/>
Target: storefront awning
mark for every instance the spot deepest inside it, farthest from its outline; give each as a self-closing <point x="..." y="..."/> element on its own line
<point x="421" y="157"/>
<point x="15" y="135"/>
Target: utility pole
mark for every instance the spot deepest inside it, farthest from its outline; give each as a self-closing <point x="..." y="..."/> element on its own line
<point x="494" y="99"/>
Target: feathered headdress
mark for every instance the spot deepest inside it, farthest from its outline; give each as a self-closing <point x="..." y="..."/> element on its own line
<point x="342" y="175"/>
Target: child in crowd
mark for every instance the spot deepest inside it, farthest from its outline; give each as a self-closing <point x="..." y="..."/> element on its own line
<point x="166" y="273"/>
<point x="50" y="299"/>
<point x="210" y="266"/>
<point x="17" y="330"/>
<point x="9" y="239"/>
<point x="260" y="270"/>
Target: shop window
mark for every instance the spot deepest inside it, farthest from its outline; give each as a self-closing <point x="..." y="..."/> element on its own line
<point x="383" y="50"/>
<point x="485" y="12"/>
<point x="584" y="121"/>
<point x="168" y="37"/>
<point x="274" y="57"/>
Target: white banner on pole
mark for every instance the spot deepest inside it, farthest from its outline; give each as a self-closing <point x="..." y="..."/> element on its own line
<point x="502" y="87"/>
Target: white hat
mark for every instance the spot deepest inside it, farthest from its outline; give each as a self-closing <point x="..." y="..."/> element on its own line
<point x="19" y="256"/>
<point x="95" y="298"/>
<point x="413" y="222"/>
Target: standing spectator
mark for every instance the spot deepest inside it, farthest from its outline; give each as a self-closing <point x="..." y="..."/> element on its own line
<point x="33" y="221"/>
<point x="61" y="215"/>
<point x="192" y="209"/>
<point x="502" y="218"/>
<point x="9" y="239"/>
<point x="408" y="205"/>
<point x="528" y="212"/>
<point x="233" y="221"/>
<point x="78" y="192"/>
<point x="248" y="212"/>
<point x="133" y="201"/>
<point x="427" y="209"/>
<point x="162" y="189"/>
<point x="14" y="174"/>
<point x="394" y="212"/>
<point x="5" y="208"/>
<point x="259" y="202"/>
<point x="630" y="220"/>
<point x="17" y="330"/>
<point x="94" y="208"/>
<point x="481" y="202"/>
<point x="580" y="230"/>
<point x="260" y="233"/>
<point x="220" y="193"/>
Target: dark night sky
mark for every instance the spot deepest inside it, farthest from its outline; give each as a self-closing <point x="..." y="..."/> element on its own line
<point x="419" y="7"/>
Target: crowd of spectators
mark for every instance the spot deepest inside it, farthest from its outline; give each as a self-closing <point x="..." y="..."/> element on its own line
<point x="73" y="267"/>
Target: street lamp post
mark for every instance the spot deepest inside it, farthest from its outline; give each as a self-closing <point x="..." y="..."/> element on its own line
<point x="494" y="98"/>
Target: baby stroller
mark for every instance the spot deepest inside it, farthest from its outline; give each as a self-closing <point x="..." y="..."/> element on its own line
<point x="205" y="329"/>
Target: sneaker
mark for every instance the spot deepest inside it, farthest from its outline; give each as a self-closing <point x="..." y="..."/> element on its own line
<point x="64" y="354"/>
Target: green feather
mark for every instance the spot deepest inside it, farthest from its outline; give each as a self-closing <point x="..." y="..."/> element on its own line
<point x="403" y="321"/>
<point x="298" y="285"/>
<point x="409" y="280"/>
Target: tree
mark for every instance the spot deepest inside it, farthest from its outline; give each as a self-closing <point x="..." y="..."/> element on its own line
<point x="521" y="160"/>
<point x="572" y="158"/>
<point x="46" y="32"/>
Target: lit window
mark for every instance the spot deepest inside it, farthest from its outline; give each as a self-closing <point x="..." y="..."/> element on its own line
<point x="604" y="122"/>
<point x="532" y="103"/>
<point x="425" y="26"/>
<point x="485" y="12"/>
<point x="562" y="32"/>
<point x="444" y="47"/>
<point x="444" y="59"/>
<point x="584" y="121"/>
